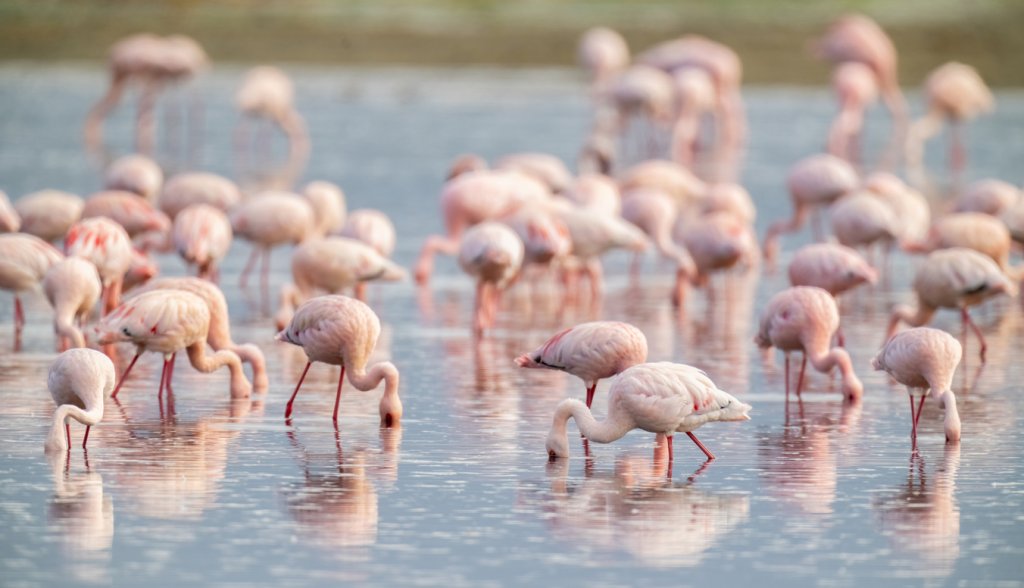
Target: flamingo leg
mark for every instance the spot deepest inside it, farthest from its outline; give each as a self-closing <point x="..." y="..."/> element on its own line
<point x="125" y="375"/>
<point x="19" y="314"/>
<point x="668" y="441"/>
<point x="163" y="380"/>
<point x="840" y="339"/>
<point x="913" y="419"/>
<point x="800" y="378"/>
<point x="337" y="397"/>
<point x="243" y="280"/>
<point x="917" y="415"/>
<point x="84" y="439"/>
<point x="590" y="394"/>
<point x="67" y="434"/>
<point x="787" y="376"/>
<point x="288" y="407"/>
<point x="977" y="331"/>
<point x="170" y="372"/>
<point x="699" y="444"/>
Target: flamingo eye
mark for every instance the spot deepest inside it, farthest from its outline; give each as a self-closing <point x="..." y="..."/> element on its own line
<point x="126" y="332"/>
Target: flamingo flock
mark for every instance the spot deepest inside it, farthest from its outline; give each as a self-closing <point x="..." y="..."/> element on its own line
<point x="649" y="178"/>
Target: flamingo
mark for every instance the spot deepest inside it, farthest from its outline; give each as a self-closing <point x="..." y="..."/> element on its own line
<point x="731" y="198"/>
<point x="909" y="205"/>
<point x="135" y="173"/>
<point x="832" y="267"/>
<point x="642" y="92"/>
<point x="545" y="237"/>
<point x="107" y="245"/>
<point x="957" y="94"/>
<point x="184" y="190"/>
<point x="372" y="227"/>
<point x="603" y="53"/>
<point x="543" y="167"/>
<point x="989" y="196"/>
<point x="135" y="214"/>
<point x="856" y="88"/>
<point x="328" y="203"/>
<point x="663" y="398"/>
<point x="814" y="181"/>
<point x="1013" y="218"/>
<point x="861" y="219"/>
<point x="48" y="214"/>
<point x="333" y="264"/>
<point x="717" y="241"/>
<point x="219" y="333"/>
<point x="79" y="380"/>
<point x="668" y="176"/>
<point x="492" y="254"/>
<point x="805" y="318"/>
<point x="473" y="197"/>
<point x="141" y="269"/>
<point x="924" y="359"/>
<point x="655" y="213"/>
<point x="724" y="67"/>
<point x="695" y="96"/>
<point x="167" y="321"/>
<point x="269" y="219"/>
<point x="24" y="261"/>
<point x="594" y="233"/>
<point x="202" y="236"/>
<point x="590" y="351"/>
<point x="72" y="285"/>
<point x="10" y="220"/>
<point x="598" y="191"/>
<point x="268" y="93"/>
<point x="857" y="38"/>
<point x="339" y="330"/>
<point x="972" y="230"/>
<point x="952" y="278"/>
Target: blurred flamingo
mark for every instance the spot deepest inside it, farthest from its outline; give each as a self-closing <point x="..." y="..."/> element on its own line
<point x="73" y="287"/>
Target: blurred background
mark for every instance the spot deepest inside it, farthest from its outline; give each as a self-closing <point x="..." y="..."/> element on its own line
<point x="769" y="35"/>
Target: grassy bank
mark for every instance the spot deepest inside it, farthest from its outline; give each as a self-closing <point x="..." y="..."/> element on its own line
<point x="769" y="35"/>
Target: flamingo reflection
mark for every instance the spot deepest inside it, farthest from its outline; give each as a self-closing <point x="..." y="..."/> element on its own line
<point x="83" y="519"/>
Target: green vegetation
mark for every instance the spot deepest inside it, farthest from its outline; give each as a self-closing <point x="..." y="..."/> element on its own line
<point x="770" y="35"/>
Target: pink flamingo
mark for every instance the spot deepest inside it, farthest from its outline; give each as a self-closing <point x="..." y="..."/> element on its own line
<point x="73" y="287"/>
<point x="815" y="181"/>
<point x="598" y="191"/>
<point x="135" y="214"/>
<point x="543" y="167"/>
<point x="545" y="237"/>
<point x="137" y="174"/>
<point x="861" y="219"/>
<point x="24" y="261"/>
<point x="859" y="39"/>
<point x="724" y="67"/>
<point x="140" y="270"/>
<point x="924" y="359"/>
<point x="669" y="177"/>
<point x="202" y="236"/>
<point x="856" y="88"/>
<point x="10" y="220"/>
<point x="49" y="214"/>
<point x="474" y="197"/>
<point x="643" y="93"/>
<point x="663" y="398"/>
<point x="655" y="213"/>
<point x="1013" y="218"/>
<point x="492" y="254"/>
<point x="374" y="228"/>
<point x="107" y="245"/>
<point x="805" y="318"/>
<point x="593" y="234"/>
<point x="268" y="93"/>
<point x="952" y="278"/>
<point x="909" y="205"/>
<point x="219" y="333"/>
<point x="268" y="220"/>
<point x="338" y="330"/>
<point x="695" y="97"/>
<point x="731" y="198"/>
<point x="79" y="380"/>
<point x="955" y="93"/>
<point x="328" y="203"/>
<point x="333" y="264"/>
<point x="717" y="241"/>
<point x="590" y="351"/>
<point x="167" y="321"/>
<point x="832" y="267"/>
<point x="972" y="230"/>
<point x="184" y="190"/>
<point x="988" y="196"/>
<point x="603" y="53"/>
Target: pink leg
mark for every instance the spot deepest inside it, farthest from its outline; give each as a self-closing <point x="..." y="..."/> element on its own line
<point x="288" y="407"/>
<point x="668" y="441"/>
<point x="787" y="375"/>
<point x="917" y="416"/>
<point x="977" y="331"/>
<point x="699" y="444"/>
<point x="84" y="439"/>
<point x="590" y="394"/>
<point x="913" y="419"/>
<point x="163" y="380"/>
<point x="170" y="372"/>
<point x="125" y="375"/>
<point x="19" y="314"/>
<point x="243" y="280"/>
<point x="840" y="339"/>
<point x="67" y="434"/>
<point x="337" y="397"/>
<point x="800" y="378"/>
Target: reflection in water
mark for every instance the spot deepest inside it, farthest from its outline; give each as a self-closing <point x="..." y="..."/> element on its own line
<point x="83" y="518"/>
<point x="922" y="518"/>
<point x="336" y="505"/>
<point x="640" y="510"/>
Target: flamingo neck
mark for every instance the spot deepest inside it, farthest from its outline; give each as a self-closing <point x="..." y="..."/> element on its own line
<point x="65" y="327"/>
<point x="366" y="380"/>
<point x="614" y="427"/>
<point x="951" y="422"/>
<point x="56" y="440"/>
<point x="907" y="314"/>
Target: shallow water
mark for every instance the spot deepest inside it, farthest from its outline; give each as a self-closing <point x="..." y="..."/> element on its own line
<point x="203" y="489"/>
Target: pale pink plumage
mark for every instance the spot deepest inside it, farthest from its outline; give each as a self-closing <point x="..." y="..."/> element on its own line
<point x="861" y="219"/>
<point x="923" y="360"/>
<point x="729" y="197"/>
<point x="602" y="52"/>
<point x="654" y="212"/>
<point x="129" y="210"/>
<point x="79" y="380"/>
<point x="137" y="174"/>
<point x="268" y="93"/>
<point x="856" y="88"/>
<point x="717" y="241"/>
<point x="909" y="205"/>
<point x="590" y="351"/>
<point x="73" y="287"/>
<point x="202" y="236"/>
<point x="598" y="191"/>
<point x="989" y="196"/>
<point x="166" y="322"/>
<point x="669" y="177"/>
<point x="107" y="245"/>
<point x="328" y="204"/>
<point x="24" y="261"/>
<point x="832" y="267"/>
<point x="694" y="97"/>
<point x="663" y="398"/>
<point x="184" y="190"/>
<point x="492" y="254"/>
<point x="10" y="221"/>
<point x="268" y="220"/>
<point x="372" y="227"/>
<point x="543" y="167"/>
<point x="48" y="214"/>
<point x="805" y="318"/>
<point x="972" y="230"/>
<point x="338" y="330"/>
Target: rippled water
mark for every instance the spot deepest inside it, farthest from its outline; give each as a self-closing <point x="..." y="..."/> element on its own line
<point x="206" y="489"/>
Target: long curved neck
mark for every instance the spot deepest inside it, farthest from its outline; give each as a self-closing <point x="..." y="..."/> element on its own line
<point x="951" y="422"/>
<point x="825" y="360"/>
<point x="366" y="380"/>
<point x="240" y="387"/>
<point x="56" y="440"/>
<point x="64" y="325"/>
<point x="906" y="314"/>
<point x="614" y="427"/>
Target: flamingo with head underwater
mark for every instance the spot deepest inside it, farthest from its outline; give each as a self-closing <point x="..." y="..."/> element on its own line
<point x="79" y="381"/>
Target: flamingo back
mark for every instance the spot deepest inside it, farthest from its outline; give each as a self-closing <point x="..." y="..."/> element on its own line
<point x="799" y="318"/>
<point x="372" y="227"/>
<point x="590" y="351"/>
<point x="921" y="357"/>
<point x="165" y="321"/>
<point x="24" y="260"/>
<point x="103" y="242"/>
<point x="334" y="329"/>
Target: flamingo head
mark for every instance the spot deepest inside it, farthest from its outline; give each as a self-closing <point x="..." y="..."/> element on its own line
<point x="557" y="446"/>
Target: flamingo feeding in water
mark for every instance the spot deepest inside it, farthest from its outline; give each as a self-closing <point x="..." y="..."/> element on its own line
<point x="339" y="330"/>
<point x="48" y="214"/>
<point x="590" y="351"/>
<point x="167" y="321"/>
<point x="107" y="245"/>
<point x="72" y="286"/>
<point x="924" y="360"/>
<point x="79" y="381"/>
<point x="24" y="261"/>
<point x="491" y="253"/>
<point x="663" y="398"/>
<point x="137" y="174"/>
<point x="202" y="236"/>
